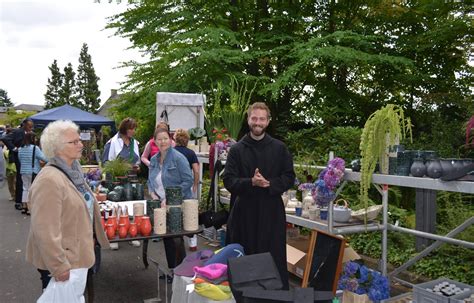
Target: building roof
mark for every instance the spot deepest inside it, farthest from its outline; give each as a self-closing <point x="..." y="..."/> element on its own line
<point x="104" y="109"/>
<point x="29" y="107"/>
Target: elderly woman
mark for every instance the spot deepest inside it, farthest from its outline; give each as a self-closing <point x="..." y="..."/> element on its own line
<point x="65" y="218"/>
<point x="169" y="168"/>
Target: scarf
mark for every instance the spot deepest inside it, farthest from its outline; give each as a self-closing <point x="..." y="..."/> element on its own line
<point x="77" y="176"/>
<point x="116" y="146"/>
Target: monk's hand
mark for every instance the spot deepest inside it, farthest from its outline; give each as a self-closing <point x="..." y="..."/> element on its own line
<point x="259" y="180"/>
<point x="62" y="277"/>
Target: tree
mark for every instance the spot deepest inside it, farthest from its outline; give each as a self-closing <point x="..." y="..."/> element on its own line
<point x="67" y="93"/>
<point x="53" y="89"/>
<point x="325" y="62"/>
<point x="4" y="99"/>
<point x="88" y="94"/>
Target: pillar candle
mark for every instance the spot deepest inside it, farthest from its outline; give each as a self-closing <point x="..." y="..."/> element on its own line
<point x="159" y="226"/>
<point x="190" y="214"/>
<point x="139" y="209"/>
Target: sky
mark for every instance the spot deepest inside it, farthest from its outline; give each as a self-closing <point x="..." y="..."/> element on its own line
<point x="33" y="33"/>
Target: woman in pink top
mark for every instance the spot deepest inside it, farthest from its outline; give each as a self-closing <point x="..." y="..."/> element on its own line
<point x="151" y="148"/>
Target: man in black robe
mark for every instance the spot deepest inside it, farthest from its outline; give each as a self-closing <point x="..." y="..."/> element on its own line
<point x="258" y="170"/>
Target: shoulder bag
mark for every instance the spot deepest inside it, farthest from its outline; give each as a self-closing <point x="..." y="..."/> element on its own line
<point x="33" y="174"/>
<point x="210" y="217"/>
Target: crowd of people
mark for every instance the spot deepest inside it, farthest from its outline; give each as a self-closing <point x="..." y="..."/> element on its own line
<point x="65" y="232"/>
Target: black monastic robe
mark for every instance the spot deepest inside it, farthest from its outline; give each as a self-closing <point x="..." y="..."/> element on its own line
<point x="257" y="219"/>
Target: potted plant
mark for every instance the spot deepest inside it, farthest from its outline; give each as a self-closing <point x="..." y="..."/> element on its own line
<point x="361" y="284"/>
<point x="117" y="168"/>
<point x="382" y="129"/>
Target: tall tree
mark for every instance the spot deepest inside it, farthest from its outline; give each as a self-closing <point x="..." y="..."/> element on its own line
<point x="329" y="62"/>
<point x="88" y="94"/>
<point x="4" y="99"/>
<point x="53" y="89"/>
<point x="67" y="93"/>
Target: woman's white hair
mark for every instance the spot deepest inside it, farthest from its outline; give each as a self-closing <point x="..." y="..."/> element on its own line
<point x="52" y="139"/>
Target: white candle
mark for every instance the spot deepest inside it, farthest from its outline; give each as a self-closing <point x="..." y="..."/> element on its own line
<point x="139" y="209"/>
<point x="159" y="221"/>
<point x="190" y="214"/>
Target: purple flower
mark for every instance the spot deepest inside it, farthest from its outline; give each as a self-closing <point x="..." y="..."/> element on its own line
<point x="361" y="280"/>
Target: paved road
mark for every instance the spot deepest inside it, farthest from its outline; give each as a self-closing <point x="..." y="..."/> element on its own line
<point x="122" y="277"/>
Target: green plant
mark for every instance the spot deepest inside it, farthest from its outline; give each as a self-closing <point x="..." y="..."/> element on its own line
<point x="234" y="114"/>
<point x="381" y="130"/>
<point x="117" y="168"/>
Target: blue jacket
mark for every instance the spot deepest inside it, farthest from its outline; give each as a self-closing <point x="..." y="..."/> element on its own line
<point x="25" y="155"/>
<point x="176" y="172"/>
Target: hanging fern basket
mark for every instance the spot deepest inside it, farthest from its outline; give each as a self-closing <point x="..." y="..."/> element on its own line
<point x="382" y="129"/>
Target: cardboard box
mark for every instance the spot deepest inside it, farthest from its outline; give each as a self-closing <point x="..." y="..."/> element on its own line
<point x="297" y="249"/>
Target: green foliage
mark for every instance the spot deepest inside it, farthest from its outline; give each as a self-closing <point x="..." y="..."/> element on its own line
<point x="233" y="115"/>
<point x="15" y="118"/>
<point x="88" y="93"/>
<point x="4" y="99"/>
<point x="52" y="96"/>
<point x="312" y="145"/>
<point x="117" y="167"/>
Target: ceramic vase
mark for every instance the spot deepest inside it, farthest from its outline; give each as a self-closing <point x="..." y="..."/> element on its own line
<point x="418" y="168"/>
<point x="150" y="206"/>
<point x="447" y="166"/>
<point x="174" y="220"/>
<point x="125" y="221"/>
<point x="138" y="221"/>
<point x="128" y="192"/>
<point x="112" y="220"/>
<point x="323" y="213"/>
<point x="122" y="231"/>
<point x="110" y="231"/>
<point x="145" y="226"/>
<point x="133" y="230"/>
<point x="174" y="195"/>
<point x="102" y="222"/>
<point x="140" y="191"/>
<point x="434" y="169"/>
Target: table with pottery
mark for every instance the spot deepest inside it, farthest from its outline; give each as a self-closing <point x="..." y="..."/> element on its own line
<point x="143" y="220"/>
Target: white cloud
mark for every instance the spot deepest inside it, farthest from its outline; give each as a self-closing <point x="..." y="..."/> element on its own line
<point x="34" y="33"/>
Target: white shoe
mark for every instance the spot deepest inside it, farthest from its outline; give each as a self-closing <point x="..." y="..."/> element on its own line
<point x="114" y="246"/>
<point x="135" y="243"/>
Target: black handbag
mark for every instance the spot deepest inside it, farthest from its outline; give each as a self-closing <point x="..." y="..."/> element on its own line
<point x="210" y="217"/>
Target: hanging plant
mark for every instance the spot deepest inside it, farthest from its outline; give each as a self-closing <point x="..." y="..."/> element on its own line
<point x="381" y="130"/>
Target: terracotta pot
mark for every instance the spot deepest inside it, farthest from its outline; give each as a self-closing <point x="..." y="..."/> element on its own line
<point x="101" y="197"/>
<point x="122" y="231"/>
<point x="138" y="221"/>
<point x="145" y="226"/>
<point x="113" y="220"/>
<point x="110" y="231"/>
<point x="133" y="230"/>
<point x="102" y="222"/>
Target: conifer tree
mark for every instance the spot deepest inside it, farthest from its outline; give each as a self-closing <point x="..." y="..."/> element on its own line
<point x="88" y="93"/>
<point x="68" y="89"/>
<point x="4" y="99"/>
<point x="52" y="96"/>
